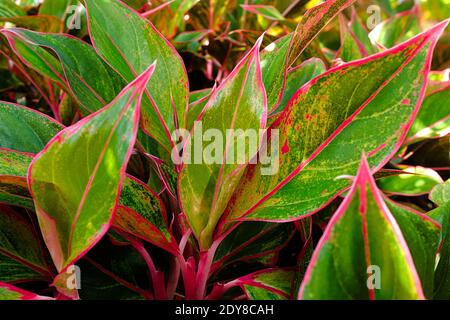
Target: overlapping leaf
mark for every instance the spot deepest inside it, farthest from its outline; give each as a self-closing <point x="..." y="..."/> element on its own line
<point x="130" y="43"/>
<point x="24" y="129"/>
<point x="271" y="284"/>
<point x="362" y="253"/>
<point x="13" y="181"/>
<point x="76" y="201"/>
<point x="92" y="81"/>
<point x="9" y="292"/>
<point x="397" y="29"/>
<point x="21" y="256"/>
<point x="312" y="23"/>
<point x="433" y="120"/>
<point x="142" y="214"/>
<point x="252" y="240"/>
<point x="206" y="184"/>
<point x="367" y="105"/>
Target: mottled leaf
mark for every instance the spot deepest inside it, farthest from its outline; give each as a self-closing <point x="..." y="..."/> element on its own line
<point x="142" y="214"/>
<point x="13" y="181"/>
<point x="366" y="105"/>
<point x="297" y="77"/>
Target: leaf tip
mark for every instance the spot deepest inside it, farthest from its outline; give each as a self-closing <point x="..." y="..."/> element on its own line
<point x="142" y="80"/>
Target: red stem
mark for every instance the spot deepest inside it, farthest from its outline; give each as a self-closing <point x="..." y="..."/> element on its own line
<point x="204" y="268"/>
<point x="157" y="277"/>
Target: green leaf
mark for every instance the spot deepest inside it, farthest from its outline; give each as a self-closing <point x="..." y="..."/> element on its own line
<point x="92" y="82"/>
<point x="205" y="186"/>
<point x="362" y="253"/>
<point x="13" y="271"/>
<point x="433" y="120"/>
<point x="9" y="292"/>
<point x="142" y="214"/>
<point x="9" y="9"/>
<point x="396" y="29"/>
<point x="76" y="200"/>
<point x="20" y="249"/>
<point x="270" y="284"/>
<point x="274" y="70"/>
<point x="197" y="103"/>
<point x="366" y="105"/>
<point x="36" y="58"/>
<point x="314" y="20"/>
<point x="13" y="181"/>
<point x="252" y="240"/>
<point x="441" y="193"/>
<point x="297" y="77"/>
<point x="26" y="130"/>
<point x="355" y="42"/>
<point x="37" y="23"/>
<point x="130" y="43"/>
<point x="442" y="271"/>
<point x="267" y="11"/>
<point x="57" y="8"/>
<point x="416" y="181"/>
<point x="422" y="235"/>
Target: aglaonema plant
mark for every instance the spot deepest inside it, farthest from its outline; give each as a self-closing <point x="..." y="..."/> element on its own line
<point x="138" y="188"/>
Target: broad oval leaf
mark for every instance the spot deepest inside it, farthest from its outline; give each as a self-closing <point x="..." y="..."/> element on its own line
<point x="26" y="130"/>
<point x="76" y="200"/>
<point x="362" y="253"/>
<point x="206" y="184"/>
<point x="326" y="125"/>
<point x="130" y="43"/>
